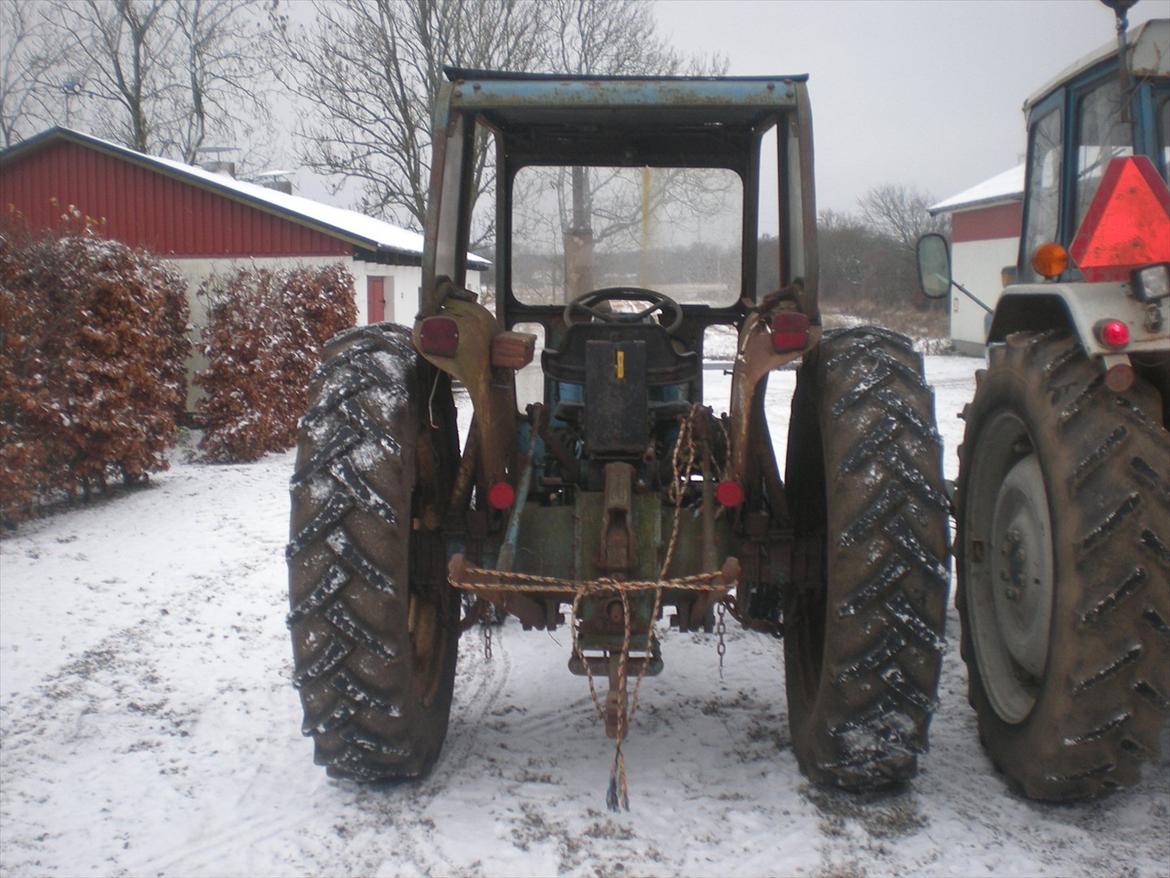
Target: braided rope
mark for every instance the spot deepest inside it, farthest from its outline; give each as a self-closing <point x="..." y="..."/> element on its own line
<point x="618" y="795"/>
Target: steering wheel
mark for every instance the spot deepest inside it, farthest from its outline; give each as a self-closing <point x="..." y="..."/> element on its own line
<point x="587" y="303"/>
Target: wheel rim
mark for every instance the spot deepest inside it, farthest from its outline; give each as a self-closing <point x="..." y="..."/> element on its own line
<point x="1009" y="561"/>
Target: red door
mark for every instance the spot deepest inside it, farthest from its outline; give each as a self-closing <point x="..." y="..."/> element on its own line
<point x="375" y="299"/>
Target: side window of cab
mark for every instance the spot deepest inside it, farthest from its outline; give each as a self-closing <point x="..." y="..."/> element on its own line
<point x="1042" y="222"/>
<point x="1103" y="133"/>
<point x="1163" y="123"/>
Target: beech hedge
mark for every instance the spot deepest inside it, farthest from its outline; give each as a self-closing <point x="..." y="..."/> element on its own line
<point x="263" y="338"/>
<point x="93" y="344"/>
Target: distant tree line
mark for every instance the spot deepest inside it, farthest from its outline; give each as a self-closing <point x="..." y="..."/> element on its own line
<point x="867" y="258"/>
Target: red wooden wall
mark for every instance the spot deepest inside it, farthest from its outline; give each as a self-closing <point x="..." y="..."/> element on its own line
<point x="147" y="208"/>
<point x="987" y="223"/>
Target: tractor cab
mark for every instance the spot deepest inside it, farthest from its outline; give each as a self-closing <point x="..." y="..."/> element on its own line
<point x="1095" y="243"/>
<point x="627" y="217"/>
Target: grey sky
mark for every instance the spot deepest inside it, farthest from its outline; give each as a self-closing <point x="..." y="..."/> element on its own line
<point x="923" y="92"/>
<point x="926" y="93"/>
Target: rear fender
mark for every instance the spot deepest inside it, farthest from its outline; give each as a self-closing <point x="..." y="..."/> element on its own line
<point x="492" y="390"/>
<point x="1078" y="308"/>
<point x="754" y="359"/>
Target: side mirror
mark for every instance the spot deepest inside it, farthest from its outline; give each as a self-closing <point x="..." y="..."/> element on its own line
<point x="934" y="265"/>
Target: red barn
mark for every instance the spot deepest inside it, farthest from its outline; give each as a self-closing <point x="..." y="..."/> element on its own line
<point x="205" y="222"/>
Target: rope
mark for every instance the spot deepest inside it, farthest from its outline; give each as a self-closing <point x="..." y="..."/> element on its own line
<point x="618" y="793"/>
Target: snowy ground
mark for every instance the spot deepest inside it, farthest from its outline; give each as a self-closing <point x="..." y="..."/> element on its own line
<point x="147" y="727"/>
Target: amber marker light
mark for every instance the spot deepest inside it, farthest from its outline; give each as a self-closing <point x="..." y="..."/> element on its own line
<point x="1050" y="260"/>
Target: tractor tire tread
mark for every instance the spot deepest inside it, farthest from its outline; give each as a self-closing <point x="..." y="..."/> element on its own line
<point x="351" y="495"/>
<point x="886" y="588"/>
<point x="1107" y="461"/>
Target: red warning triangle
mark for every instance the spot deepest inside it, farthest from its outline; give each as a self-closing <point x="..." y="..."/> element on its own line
<point x="1127" y="224"/>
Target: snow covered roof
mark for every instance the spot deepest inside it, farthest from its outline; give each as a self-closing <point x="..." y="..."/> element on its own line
<point x="356" y="228"/>
<point x="1149" y="54"/>
<point x="1008" y="186"/>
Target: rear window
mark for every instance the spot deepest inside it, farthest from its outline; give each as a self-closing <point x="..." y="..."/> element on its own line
<point x="675" y="231"/>
<point x="1101" y="136"/>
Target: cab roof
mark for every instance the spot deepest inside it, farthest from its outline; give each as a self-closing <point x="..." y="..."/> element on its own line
<point x="1149" y="52"/>
<point x="690" y="120"/>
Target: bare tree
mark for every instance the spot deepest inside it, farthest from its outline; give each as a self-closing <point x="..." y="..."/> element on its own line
<point x="900" y="213"/>
<point x="163" y="76"/>
<point x="227" y="80"/>
<point x="868" y="260"/>
<point x="371" y="72"/>
<point x="28" y="60"/>
<point x="612" y="37"/>
<point x="122" y="45"/>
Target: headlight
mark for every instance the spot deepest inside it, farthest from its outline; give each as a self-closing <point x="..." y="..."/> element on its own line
<point x="1152" y="283"/>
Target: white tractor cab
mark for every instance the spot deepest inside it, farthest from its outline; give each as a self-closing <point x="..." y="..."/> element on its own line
<point x="1096" y="234"/>
<point x="1062" y="544"/>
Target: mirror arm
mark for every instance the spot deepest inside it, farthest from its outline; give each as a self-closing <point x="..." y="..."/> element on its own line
<point x="970" y="295"/>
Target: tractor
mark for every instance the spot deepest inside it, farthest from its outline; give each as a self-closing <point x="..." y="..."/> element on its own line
<point x="1063" y="497"/>
<point x="634" y="221"/>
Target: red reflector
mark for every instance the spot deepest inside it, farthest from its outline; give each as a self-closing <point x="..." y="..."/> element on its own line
<point x="729" y="493"/>
<point x="1113" y="333"/>
<point x="1120" y="378"/>
<point x="439" y="336"/>
<point x="1127" y="224"/>
<point x="789" y="332"/>
<point x="501" y="495"/>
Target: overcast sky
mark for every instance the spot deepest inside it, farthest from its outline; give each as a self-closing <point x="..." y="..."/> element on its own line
<point x="926" y="93"/>
<point x="922" y="92"/>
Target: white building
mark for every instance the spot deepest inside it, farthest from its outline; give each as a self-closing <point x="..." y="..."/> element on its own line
<point x="985" y="238"/>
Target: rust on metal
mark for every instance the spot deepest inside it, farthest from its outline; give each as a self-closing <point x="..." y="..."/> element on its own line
<point x="493" y="397"/>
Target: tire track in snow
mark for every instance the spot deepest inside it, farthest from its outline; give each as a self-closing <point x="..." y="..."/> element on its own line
<point x="487" y="680"/>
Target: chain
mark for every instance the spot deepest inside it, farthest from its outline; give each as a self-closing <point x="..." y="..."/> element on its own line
<point x="721" y="630"/>
<point x="486" y="626"/>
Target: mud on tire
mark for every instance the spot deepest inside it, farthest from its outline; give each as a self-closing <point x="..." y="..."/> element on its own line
<point x="374" y="624"/>
<point x="864" y="636"/>
<point x="1068" y="664"/>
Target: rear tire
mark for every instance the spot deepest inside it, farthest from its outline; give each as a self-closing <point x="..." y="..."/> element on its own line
<point x="1064" y="569"/>
<point x="864" y="636"/>
<point x="374" y="624"/>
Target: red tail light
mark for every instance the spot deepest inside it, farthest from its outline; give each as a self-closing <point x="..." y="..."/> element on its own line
<point x="1113" y="333"/>
<point x="501" y="495"/>
<point x="729" y="493"/>
<point x="789" y="331"/>
<point x="439" y="336"/>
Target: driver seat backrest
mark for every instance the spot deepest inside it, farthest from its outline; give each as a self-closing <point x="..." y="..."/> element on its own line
<point x="664" y="365"/>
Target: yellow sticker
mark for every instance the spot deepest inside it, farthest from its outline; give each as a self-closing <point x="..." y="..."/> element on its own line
<point x="620" y="366"/>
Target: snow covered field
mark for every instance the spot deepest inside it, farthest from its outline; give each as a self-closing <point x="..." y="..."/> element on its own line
<point x="147" y="727"/>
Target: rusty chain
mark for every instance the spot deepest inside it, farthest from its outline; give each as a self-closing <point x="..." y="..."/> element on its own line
<point x="721" y="630"/>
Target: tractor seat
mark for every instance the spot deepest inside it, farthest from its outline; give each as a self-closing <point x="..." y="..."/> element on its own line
<point x="664" y="365"/>
<point x="617" y="380"/>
